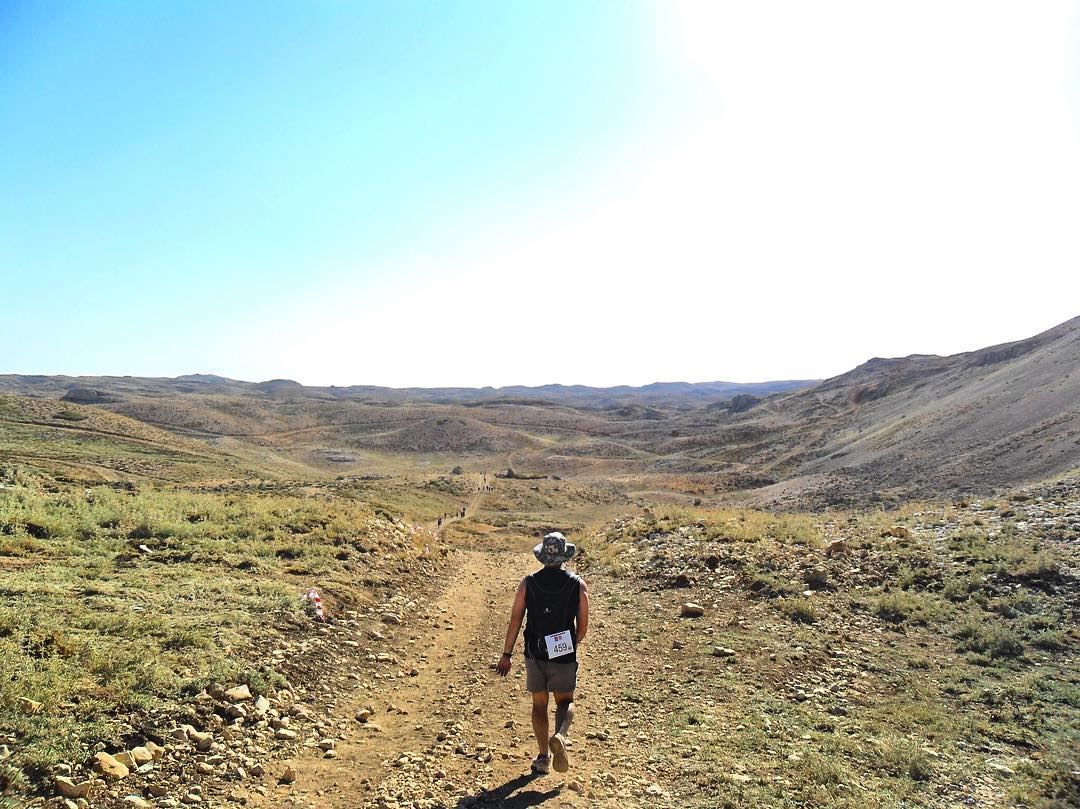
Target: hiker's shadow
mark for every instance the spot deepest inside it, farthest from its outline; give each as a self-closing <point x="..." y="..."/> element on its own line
<point x="502" y="796"/>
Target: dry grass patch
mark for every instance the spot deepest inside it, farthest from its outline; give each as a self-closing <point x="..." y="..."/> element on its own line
<point x="136" y="598"/>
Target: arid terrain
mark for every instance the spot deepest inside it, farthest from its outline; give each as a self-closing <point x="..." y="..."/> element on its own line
<point x="856" y="592"/>
<point x="888" y="430"/>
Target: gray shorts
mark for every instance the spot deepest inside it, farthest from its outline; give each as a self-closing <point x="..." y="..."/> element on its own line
<point x="543" y="675"/>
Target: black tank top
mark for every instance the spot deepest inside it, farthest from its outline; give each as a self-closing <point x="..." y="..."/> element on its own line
<point x="551" y="605"/>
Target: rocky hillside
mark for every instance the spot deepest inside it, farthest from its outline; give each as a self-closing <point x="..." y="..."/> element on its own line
<point x="918" y="425"/>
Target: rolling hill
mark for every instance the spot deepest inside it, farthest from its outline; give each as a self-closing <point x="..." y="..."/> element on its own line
<point x="920" y="425"/>
<point x="890" y="428"/>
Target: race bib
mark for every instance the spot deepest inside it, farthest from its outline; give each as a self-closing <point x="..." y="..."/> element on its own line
<point x="559" y="644"/>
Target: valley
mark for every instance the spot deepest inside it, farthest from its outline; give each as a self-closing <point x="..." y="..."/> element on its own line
<point x="883" y="570"/>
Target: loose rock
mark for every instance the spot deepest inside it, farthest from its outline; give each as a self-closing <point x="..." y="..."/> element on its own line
<point x="239" y="693"/>
<point x="109" y="767"/>
<point x="69" y="789"/>
<point x="691" y="610"/>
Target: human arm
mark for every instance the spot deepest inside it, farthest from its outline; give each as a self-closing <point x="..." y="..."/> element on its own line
<point x="517" y="615"/>
<point x="582" y="613"/>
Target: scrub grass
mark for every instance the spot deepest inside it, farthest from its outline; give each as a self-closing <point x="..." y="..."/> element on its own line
<point x="113" y="600"/>
<point x="929" y="666"/>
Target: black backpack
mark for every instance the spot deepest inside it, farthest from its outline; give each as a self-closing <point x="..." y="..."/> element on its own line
<point x="550" y="609"/>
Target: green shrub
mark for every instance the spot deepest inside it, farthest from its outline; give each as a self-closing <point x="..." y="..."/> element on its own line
<point x="905" y="757"/>
<point x="1037" y="623"/>
<point x="895" y="607"/>
<point x="71" y="415"/>
<point x="960" y="589"/>
<point x="1003" y="643"/>
<point x="1051" y="641"/>
<point x="1013" y="605"/>
<point x="768" y="585"/>
<point x="802" y="611"/>
<point x="824" y="771"/>
<point x="994" y="640"/>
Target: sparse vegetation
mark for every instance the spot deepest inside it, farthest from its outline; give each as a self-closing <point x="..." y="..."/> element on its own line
<point x="112" y="601"/>
<point x="849" y="657"/>
<point x="802" y="611"/>
<point x="941" y="636"/>
<point x="995" y="640"/>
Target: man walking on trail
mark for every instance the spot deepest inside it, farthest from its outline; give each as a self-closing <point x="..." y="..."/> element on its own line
<point x="556" y="604"/>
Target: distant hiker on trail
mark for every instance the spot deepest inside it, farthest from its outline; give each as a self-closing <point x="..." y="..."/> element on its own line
<point x="556" y="603"/>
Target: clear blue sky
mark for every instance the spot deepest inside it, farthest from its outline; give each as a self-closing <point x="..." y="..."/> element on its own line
<point x="381" y="192"/>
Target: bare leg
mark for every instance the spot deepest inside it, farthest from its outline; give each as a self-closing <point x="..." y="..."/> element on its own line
<point x="540" y="720"/>
<point x="564" y="713"/>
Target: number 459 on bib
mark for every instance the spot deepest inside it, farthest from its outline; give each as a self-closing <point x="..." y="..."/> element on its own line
<point x="559" y="644"/>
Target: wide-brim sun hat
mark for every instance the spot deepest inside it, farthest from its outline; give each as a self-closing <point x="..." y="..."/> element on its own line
<point x="554" y="549"/>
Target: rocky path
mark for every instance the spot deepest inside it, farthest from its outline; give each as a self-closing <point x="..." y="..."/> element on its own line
<point x="469" y="508"/>
<point x="454" y="734"/>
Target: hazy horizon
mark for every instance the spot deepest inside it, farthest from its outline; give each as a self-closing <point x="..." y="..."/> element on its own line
<point x="481" y="193"/>
<point x="406" y="387"/>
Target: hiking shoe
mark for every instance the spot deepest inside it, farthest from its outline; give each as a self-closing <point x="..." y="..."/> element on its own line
<point x="558" y="753"/>
<point x="541" y="764"/>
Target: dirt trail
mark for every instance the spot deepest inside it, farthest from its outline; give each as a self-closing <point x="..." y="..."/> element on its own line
<point x="452" y="734"/>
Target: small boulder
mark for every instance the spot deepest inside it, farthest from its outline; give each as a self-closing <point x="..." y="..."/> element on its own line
<point x="691" y="610"/>
<point x="289" y="776"/>
<point x="816" y="577"/>
<point x="202" y="741"/>
<point x="238" y="693"/>
<point x="836" y="547"/>
<point x="999" y="768"/>
<point x="69" y="789"/>
<point x="141" y="755"/>
<point x="29" y="706"/>
<point x="126" y="759"/>
<point x="109" y="767"/>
